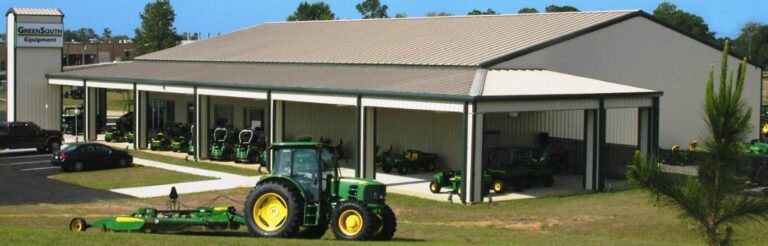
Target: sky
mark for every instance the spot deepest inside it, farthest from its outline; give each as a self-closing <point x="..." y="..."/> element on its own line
<point x="221" y="16"/>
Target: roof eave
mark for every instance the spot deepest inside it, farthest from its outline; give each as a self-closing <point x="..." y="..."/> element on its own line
<point x="208" y="84"/>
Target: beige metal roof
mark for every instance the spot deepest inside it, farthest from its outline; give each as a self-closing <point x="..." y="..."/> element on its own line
<point x="399" y="80"/>
<point x="456" y="41"/>
<point x="549" y="83"/>
<point x="36" y="11"/>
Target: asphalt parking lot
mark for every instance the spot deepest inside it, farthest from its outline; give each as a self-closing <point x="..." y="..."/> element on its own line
<point x="24" y="180"/>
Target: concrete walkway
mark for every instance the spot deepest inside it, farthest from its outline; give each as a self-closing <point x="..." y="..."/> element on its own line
<point x="223" y="181"/>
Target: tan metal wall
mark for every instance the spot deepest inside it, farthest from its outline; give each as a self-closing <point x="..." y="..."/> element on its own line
<point x="523" y="129"/>
<point x="180" y="103"/>
<point x="641" y="53"/>
<point x="324" y="120"/>
<point x="429" y="131"/>
<point x="238" y="104"/>
<point x="36" y="100"/>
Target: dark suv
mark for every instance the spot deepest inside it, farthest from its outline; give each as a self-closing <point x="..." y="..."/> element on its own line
<point x="25" y="135"/>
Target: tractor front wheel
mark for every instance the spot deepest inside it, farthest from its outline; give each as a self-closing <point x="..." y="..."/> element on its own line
<point x="388" y="224"/>
<point x="434" y="186"/>
<point x="386" y="167"/>
<point x="78" y="224"/>
<point x="352" y="220"/>
<point x="274" y="209"/>
<point x="498" y="186"/>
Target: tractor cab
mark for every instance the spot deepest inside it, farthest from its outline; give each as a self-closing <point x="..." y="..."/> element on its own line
<point x="305" y="194"/>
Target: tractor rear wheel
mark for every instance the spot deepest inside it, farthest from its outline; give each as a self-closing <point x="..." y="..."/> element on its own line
<point x="548" y="180"/>
<point x="386" y="167"/>
<point x="388" y="223"/>
<point x="761" y="176"/>
<point x="434" y="186"/>
<point x="78" y="224"/>
<point x="498" y="186"/>
<point x="352" y="220"/>
<point x="274" y="209"/>
<point x="402" y="170"/>
<point x="431" y="166"/>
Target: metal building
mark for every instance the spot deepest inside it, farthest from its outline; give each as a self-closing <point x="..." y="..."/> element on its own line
<point x="592" y="81"/>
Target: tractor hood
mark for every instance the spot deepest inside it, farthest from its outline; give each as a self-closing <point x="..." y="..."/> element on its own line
<point x="368" y="190"/>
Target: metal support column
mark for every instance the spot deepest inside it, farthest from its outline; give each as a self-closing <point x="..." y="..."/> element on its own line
<point x="201" y="126"/>
<point x="367" y="152"/>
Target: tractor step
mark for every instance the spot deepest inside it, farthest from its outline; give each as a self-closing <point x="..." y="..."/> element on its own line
<point x="311" y="214"/>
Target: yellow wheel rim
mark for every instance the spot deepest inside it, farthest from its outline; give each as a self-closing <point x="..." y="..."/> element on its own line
<point x="496" y="186"/>
<point x="433" y="186"/>
<point x="76" y="226"/>
<point x="350" y="222"/>
<point x="270" y="212"/>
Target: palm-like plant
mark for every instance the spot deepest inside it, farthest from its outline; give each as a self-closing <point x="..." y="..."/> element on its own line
<point x="716" y="197"/>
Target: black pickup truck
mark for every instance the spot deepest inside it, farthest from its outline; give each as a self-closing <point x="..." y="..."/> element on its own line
<point x="26" y="135"/>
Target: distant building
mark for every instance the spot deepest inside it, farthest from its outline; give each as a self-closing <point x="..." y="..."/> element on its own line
<point x="81" y="54"/>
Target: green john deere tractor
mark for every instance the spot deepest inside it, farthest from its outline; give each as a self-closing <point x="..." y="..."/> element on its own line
<point x="452" y="180"/>
<point x="249" y="147"/>
<point x="180" y="138"/>
<point x="520" y="168"/>
<point x="221" y="148"/>
<point x="408" y="160"/>
<point x="305" y="194"/>
<point x="160" y="142"/>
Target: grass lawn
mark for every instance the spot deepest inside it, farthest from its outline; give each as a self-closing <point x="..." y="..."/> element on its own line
<point x="616" y="218"/>
<point x="200" y="164"/>
<point x="126" y="177"/>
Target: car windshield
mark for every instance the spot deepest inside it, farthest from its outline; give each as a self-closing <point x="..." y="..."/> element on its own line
<point x="69" y="148"/>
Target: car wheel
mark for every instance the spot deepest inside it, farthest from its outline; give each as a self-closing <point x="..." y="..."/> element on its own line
<point x="122" y="162"/>
<point x="78" y="166"/>
<point x="54" y="146"/>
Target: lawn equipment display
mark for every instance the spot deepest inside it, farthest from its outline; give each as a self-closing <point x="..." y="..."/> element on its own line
<point x="452" y="180"/>
<point x="249" y="147"/>
<point x="304" y="195"/>
<point x="160" y="142"/>
<point x="191" y="147"/>
<point x="676" y="156"/>
<point x="151" y="220"/>
<point x="520" y="168"/>
<point x="408" y="160"/>
<point x="180" y="138"/>
<point x="221" y="148"/>
<point x="72" y="119"/>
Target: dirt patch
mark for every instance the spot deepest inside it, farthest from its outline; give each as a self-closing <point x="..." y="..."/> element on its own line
<point x="527" y="224"/>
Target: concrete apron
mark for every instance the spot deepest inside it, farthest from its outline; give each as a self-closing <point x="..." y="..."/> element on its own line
<point x="417" y="184"/>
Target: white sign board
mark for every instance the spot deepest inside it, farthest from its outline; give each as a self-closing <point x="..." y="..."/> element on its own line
<point x="39" y="35"/>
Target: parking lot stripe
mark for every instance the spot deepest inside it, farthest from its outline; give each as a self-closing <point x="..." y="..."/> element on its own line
<point x="38" y="168"/>
<point x="25" y="163"/>
<point x="24" y="156"/>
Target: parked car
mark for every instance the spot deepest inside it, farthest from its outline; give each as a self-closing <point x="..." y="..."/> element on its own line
<point x="82" y="156"/>
<point x="26" y="135"/>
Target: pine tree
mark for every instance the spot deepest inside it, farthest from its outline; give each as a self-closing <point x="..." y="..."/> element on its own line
<point x="715" y="199"/>
<point x="157" y="31"/>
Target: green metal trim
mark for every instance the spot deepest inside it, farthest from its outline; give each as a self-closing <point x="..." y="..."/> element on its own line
<point x="569" y="96"/>
<point x="464" y="125"/>
<point x="602" y="167"/>
<point x="137" y="120"/>
<point x="214" y="84"/>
